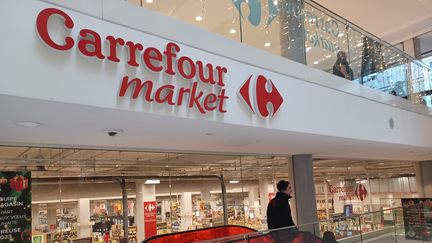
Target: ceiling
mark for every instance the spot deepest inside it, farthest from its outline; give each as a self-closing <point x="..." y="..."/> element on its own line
<point x="54" y="162"/>
<point x="392" y="20"/>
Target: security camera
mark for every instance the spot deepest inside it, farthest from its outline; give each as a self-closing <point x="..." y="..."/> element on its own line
<point x="113" y="132"/>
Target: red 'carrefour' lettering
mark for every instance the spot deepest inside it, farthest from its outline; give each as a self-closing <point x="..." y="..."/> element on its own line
<point x="90" y="43"/>
<point x="42" y="28"/>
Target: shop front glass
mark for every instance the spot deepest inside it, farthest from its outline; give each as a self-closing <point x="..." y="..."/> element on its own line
<point x="99" y="195"/>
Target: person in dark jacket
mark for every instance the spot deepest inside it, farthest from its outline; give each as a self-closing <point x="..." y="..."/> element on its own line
<point x="278" y="209"/>
<point x="341" y="68"/>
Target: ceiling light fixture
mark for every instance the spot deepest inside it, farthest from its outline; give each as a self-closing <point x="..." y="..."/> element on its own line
<point x="152" y="182"/>
<point x="267" y="44"/>
<point x="316" y="62"/>
<point x="232" y="31"/>
<point x="234" y="181"/>
<point x="308" y="48"/>
<point x="198" y="18"/>
<point x="149" y="1"/>
<point x="27" y="124"/>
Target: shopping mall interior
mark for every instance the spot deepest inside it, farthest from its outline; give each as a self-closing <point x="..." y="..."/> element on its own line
<point x="90" y="164"/>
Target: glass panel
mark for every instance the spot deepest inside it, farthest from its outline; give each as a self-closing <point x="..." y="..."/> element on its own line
<point x="219" y="17"/>
<point x="310" y="34"/>
<point x="325" y="36"/>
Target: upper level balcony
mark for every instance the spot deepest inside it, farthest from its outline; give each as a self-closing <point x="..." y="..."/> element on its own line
<point x="308" y="33"/>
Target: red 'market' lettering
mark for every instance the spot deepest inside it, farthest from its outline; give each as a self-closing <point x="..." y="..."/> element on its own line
<point x="169" y="89"/>
<point x="210" y="99"/>
<point x="138" y="87"/>
<point x="194" y="98"/>
<point x="42" y="28"/>
<point x="166" y="93"/>
<point x="222" y="97"/>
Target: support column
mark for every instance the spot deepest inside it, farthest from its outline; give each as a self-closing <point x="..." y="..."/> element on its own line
<point x="224" y="200"/>
<point x="253" y="197"/>
<point x="144" y="193"/>
<point x="424" y="178"/>
<point x="263" y="193"/>
<point x="35" y="215"/>
<point x="51" y="217"/>
<point x="412" y="47"/>
<point x="326" y="198"/>
<point x="304" y="191"/>
<point x="186" y="211"/>
<point x="83" y="218"/>
<point x="125" y="208"/>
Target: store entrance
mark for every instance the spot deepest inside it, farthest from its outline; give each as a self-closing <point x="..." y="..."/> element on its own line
<point x="107" y="196"/>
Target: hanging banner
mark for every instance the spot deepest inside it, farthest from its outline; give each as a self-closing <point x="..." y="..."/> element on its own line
<point x="150" y="219"/>
<point x="417" y="214"/>
<point x="15" y="207"/>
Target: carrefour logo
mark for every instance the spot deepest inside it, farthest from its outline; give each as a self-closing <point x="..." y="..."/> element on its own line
<point x="263" y="93"/>
<point x="361" y="192"/>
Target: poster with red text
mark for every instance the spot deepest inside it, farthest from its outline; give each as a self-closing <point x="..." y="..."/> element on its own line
<point x="150" y="219"/>
<point x="15" y="207"/>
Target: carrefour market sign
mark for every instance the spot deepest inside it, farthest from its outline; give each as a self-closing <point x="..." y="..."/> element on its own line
<point x="169" y="62"/>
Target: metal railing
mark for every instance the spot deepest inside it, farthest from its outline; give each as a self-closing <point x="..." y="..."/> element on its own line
<point x="311" y="34"/>
<point x="412" y="222"/>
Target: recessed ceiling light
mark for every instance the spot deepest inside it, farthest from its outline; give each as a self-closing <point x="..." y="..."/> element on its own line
<point x="149" y="1"/>
<point x="267" y="44"/>
<point x="27" y="124"/>
<point x="152" y="181"/>
<point x="198" y="18"/>
<point x="234" y="181"/>
<point x="232" y="31"/>
<point x="316" y="62"/>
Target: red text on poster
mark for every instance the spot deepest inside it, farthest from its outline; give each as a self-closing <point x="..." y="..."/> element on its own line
<point x="150" y="218"/>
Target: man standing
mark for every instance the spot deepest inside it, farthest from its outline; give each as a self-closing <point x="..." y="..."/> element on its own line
<point x="278" y="209"/>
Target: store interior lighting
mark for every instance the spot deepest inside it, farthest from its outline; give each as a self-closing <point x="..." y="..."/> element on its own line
<point x="234" y="181"/>
<point x="152" y="182"/>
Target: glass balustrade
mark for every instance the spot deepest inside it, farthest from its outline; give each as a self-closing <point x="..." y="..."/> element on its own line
<point x="307" y="32"/>
<point x="402" y="224"/>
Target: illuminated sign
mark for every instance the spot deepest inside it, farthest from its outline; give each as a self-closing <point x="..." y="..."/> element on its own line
<point x="168" y="62"/>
